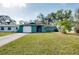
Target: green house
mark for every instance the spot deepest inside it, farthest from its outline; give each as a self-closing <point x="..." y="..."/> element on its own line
<point x="36" y="28"/>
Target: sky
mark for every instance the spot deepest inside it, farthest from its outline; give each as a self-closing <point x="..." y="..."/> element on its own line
<point x="29" y="11"/>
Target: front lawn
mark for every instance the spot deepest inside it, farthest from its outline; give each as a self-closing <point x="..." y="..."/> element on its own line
<point x="5" y="33"/>
<point x="43" y="44"/>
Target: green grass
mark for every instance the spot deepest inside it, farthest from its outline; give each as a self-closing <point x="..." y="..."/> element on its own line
<point x="5" y="33"/>
<point x="43" y="44"/>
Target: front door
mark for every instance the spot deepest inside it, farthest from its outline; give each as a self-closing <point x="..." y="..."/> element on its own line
<point x="39" y="28"/>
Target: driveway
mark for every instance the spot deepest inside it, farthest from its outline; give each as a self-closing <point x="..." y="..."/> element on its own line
<point x="7" y="39"/>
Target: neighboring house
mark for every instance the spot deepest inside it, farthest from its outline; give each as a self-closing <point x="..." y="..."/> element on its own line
<point x="7" y="24"/>
<point x="8" y="28"/>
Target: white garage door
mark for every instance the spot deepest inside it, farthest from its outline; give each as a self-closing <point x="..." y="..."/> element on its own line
<point x="27" y="29"/>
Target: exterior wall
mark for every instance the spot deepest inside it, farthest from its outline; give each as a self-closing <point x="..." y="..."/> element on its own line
<point x="23" y="28"/>
<point x="49" y="29"/>
<point x="20" y="28"/>
<point x="43" y="29"/>
<point x="53" y="29"/>
<point x="33" y="28"/>
<point x="13" y="29"/>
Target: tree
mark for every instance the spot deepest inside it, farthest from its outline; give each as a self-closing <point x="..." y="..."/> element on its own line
<point x="21" y="22"/>
<point x="62" y="18"/>
<point x="67" y="14"/>
<point x="77" y="20"/>
<point x="59" y="14"/>
<point x="55" y="16"/>
<point x="51" y="17"/>
<point x="65" y="21"/>
<point x="65" y="25"/>
<point x="41" y="18"/>
<point x="77" y="14"/>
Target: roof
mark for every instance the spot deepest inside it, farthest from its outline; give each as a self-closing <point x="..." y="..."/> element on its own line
<point x="33" y="24"/>
<point x="4" y="19"/>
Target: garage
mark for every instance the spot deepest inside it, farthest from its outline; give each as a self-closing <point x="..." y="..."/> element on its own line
<point x="27" y="29"/>
<point x="24" y="28"/>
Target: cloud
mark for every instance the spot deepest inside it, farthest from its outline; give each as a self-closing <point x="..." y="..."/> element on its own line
<point x="13" y="1"/>
<point x="13" y="5"/>
<point x="18" y="19"/>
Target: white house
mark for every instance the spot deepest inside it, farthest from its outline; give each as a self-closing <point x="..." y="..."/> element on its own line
<point x="7" y="24"/>
<point x="8" y="28"/>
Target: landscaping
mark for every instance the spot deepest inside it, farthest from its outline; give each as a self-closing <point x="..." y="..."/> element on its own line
<point x="54" y="43"/>
<point x="5" y="33"/>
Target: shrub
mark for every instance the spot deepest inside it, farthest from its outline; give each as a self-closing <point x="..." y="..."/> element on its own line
<point x="65" y="25"/>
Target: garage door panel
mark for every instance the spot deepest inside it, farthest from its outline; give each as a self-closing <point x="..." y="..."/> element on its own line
<point x="27" y="29"/>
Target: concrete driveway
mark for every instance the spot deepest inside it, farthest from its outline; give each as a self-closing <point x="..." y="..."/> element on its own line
<point x="7" y="39"/>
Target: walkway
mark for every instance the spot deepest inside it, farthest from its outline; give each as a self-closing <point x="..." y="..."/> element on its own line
<point x="7" y="39"/>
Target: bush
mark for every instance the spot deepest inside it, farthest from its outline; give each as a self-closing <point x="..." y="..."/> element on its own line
<point x="65" y="25"/>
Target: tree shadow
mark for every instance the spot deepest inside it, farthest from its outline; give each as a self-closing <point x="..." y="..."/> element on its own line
<point x="77" y="34"/>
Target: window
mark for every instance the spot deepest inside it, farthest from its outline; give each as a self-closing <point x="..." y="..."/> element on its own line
<point x="8" y="23"/>
<point x="9" y="28"/>
<point x="16" y="28"/>
<point x="2" y="28"/>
